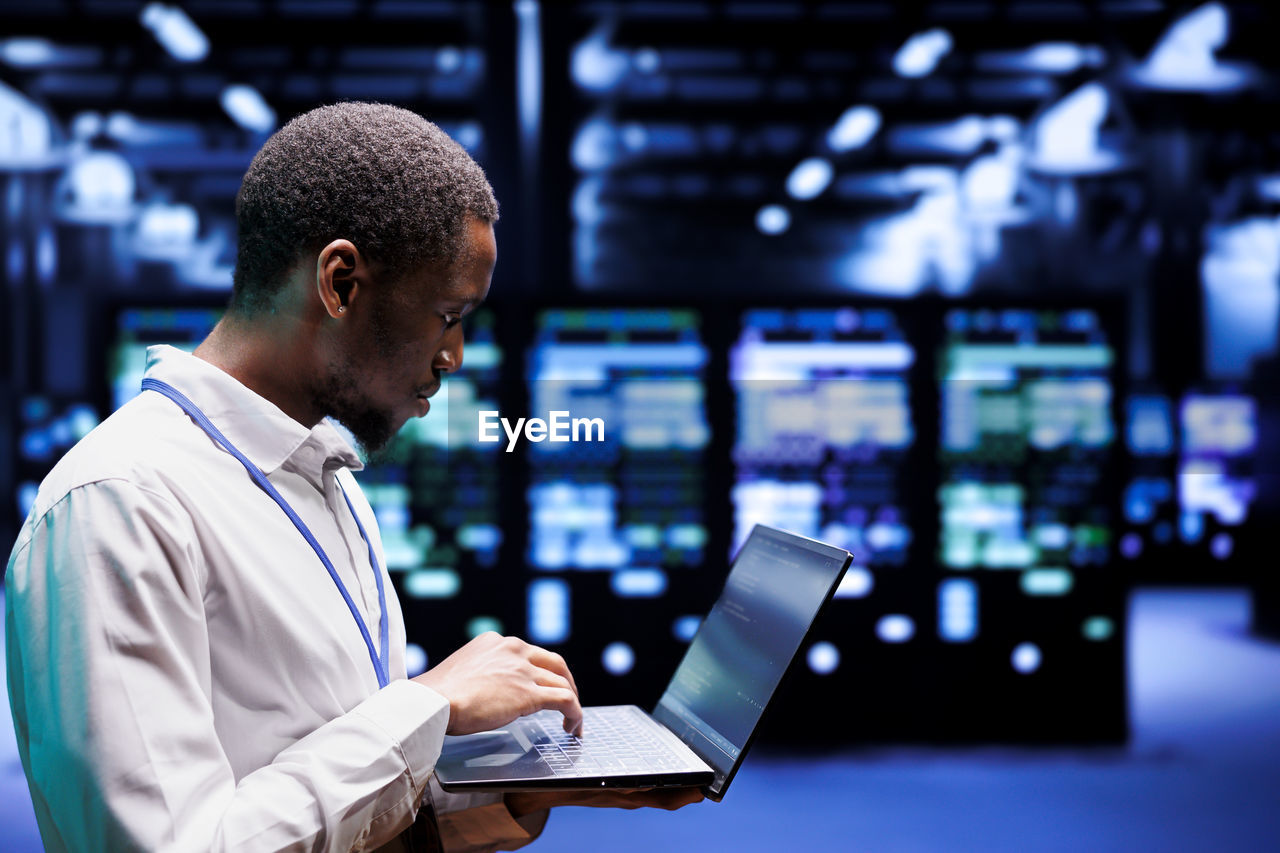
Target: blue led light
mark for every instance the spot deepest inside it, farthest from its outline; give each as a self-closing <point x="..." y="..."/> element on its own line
<point x="773" y="219"/>
<point x="856" y="583"/>
<point x="903" y="252"/>
<point x="37" y="445"/>
<point x="790" y="361"/>
<point x="895" y="628"/>
<point x="618" y="658"/>
<point x="823" y="658"/>
<point x="27" y="497"/>
<point x="596" y="66"/>
<point x="479" y="537"/>
<point x="449" y="59"/>
<point x="1142" y="497"/>
<point x="1219" y="425"/>
<point x="809" y="178"/>
<point x="469" y="135"/>
<point x="29" y="135"/>
<point x="1055" y="57"/>
<point x="46" y="254"/>
<point x="1240" y="272"/>
<point x="1052" y="536"/>
<point x="647" y="60"/>
<point x="27" y="52"/>
<point x="1026" y="658"/>
<point x="1067" y="134"/>
<point x="86" y="125"/>
<point x="684" y="627"/>
<point x="921" y="53"/>
<point x="176" y="32"/>
<point x="854" y="129"/>
<point x="392" y="516"/>
<point x="686" y="536"/>
<point x="60" y="433"/>
<point x="1061" y="57"/>
<point x="990" y="183"/>
<point x="415" y="659"/>
<point x="1050" y="582"/>
<point x="643" y="536"/>
<point x="36" y="409"/>
<point x="600" y="549"/>
<point x="167" y="231"/>
<point x="432" y="583"/>
<point x="957" y="610"/>
<point x="101" y="185"/>
<point x="548" y="611"/>
<point x="960" y="136"/>
<point x="529" y="65"/>
<point x="1204" y="486"/>
<point x="1149" y="425"/>
<point x="247" y="108"/>
<point x="1183" y="59"/>
<point x="886" y="537"/>
<point x="639" y="583"/>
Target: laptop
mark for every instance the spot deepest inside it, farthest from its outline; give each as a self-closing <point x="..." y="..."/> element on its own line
<point x="702" y="726"/>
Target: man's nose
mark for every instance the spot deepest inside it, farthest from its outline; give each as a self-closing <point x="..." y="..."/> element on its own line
<point x="449" y="359"/>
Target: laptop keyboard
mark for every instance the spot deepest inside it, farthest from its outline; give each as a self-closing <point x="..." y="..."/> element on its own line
<point x="617" y="740"/>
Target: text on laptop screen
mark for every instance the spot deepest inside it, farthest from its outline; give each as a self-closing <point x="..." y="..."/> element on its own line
<point x="749" y="638"/>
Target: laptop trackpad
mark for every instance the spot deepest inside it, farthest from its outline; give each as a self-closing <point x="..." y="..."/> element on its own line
<point x="496" y="748"/>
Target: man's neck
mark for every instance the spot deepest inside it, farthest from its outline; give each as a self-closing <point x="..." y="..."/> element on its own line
<point x="265" y="356"/>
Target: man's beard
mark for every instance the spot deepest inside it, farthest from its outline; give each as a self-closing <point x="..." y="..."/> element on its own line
<point x="340" y="398"/>
<point x="343" y="400"/>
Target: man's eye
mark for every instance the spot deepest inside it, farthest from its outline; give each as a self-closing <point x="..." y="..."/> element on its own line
<point x="451" y="320"/>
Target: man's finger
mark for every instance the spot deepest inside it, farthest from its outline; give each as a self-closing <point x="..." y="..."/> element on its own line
<point x="554" y="662"/>
<point x="566" y="702"/>
<point x="547" y="678"/>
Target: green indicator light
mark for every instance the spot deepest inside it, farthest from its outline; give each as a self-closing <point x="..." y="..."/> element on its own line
<point x="1098" y="628"/>
<point x="480" y="624"/>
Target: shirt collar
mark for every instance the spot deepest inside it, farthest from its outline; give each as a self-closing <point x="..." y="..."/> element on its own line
<point x="255" y="425"/>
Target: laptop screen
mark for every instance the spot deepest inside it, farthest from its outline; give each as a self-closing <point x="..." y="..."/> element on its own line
<point x="775" y="588"/>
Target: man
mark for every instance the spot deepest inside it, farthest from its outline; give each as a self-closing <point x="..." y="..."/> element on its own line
<point x="202" y="651"/>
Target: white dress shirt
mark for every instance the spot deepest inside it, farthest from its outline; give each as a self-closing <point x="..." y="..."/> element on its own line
<point x="183" y="672"/>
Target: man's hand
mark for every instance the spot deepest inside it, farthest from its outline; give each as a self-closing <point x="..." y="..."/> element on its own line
<point x="494" y="679"/>
<point x="528" y="802"/>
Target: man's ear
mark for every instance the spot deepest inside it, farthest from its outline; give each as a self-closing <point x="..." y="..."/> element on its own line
<point x="340" y="274"/>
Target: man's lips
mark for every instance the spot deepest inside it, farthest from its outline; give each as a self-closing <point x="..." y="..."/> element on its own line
<point x="424" y="404"/>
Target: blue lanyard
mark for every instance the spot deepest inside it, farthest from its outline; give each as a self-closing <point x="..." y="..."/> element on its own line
<point x="380" y="665"/>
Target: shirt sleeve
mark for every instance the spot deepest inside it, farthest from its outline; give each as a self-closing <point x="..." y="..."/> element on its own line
<point x="109" y="679"/>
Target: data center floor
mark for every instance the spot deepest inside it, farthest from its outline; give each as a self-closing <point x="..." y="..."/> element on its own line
<point x="1201" y="772"/>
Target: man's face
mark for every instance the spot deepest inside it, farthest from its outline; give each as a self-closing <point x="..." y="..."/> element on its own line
<point x="404" y="342"/>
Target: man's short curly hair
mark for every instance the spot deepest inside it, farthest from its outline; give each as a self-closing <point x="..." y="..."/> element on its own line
<point x="380" y="176"/>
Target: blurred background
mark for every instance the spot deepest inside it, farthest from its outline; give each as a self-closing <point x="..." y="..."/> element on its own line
<point x="987" y="293"/>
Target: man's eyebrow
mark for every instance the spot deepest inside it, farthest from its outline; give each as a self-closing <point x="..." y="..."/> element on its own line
<point x="457" y="295"/>
<point x="466" y="303"/>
